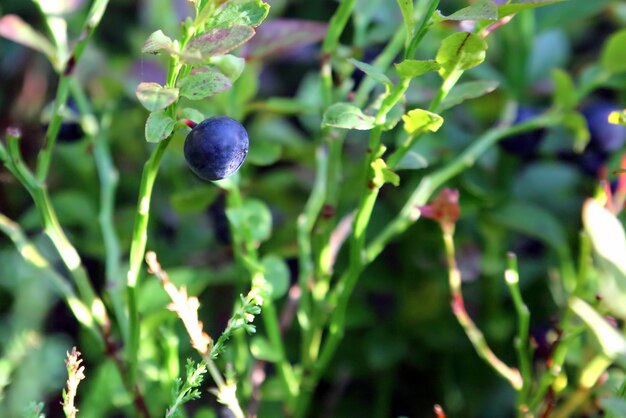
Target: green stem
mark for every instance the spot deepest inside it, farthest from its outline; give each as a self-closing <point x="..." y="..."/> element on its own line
<point x="137" y="251"/>
<point x="430" y="183"/>
<point x="522" y="346"/>
<point x="336" y="26"/>
<point x="91" y="22"/>
<point x="475" y="336"/>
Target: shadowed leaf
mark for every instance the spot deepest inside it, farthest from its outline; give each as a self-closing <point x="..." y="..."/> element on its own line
<point x="218" y="41"/>
<point x="466" y="91"/>
<point x="347" y="116"/>
<point x="481" y="10"/>
<point x="281" y="35"/>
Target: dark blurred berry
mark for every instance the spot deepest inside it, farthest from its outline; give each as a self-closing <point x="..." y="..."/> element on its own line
<point x="524" y="145"/>
<point x="589" y="162"/>
<point x="604" y="136"/>
<point x="70" y="130"/>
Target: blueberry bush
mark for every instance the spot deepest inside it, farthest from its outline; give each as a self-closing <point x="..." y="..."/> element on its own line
<point x="281" y="208"/>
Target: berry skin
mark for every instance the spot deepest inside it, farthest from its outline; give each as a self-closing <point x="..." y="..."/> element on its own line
<point x="216" y="148"/>
<point x="604" y="136"/>
<point x="524" y="145"/>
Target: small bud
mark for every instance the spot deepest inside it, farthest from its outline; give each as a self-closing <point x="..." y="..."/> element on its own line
<point x="444" y="208"/>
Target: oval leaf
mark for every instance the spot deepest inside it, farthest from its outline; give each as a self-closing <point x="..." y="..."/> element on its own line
<point x="249" y="13"/>
<point x="371" y="71"/>
<point x="515" y="6"/>
<point x="277" y="275"/>
<point x="481" y="10"/>
<point x="420" y="120"/>
<point x="154" y="96"/>
<point x="203" y="84"/>
<point x="280" y="35"/>
<point x="614" y="53"/>
<point x="609" y="243"/>
<point x="159" y="126"/>
<point x="347" y="116"/>
<point x="253" y="215"/>
<point x="218" y="41"/>
<point x="460" y="51"/>
<point x="415" y="68"/>
<point x="465" y="91"/>
<point x="156" y="42"/>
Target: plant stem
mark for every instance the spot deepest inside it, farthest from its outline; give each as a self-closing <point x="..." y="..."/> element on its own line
<point x="137" y="251"/>
<point x="471" y="330"/>
<point x="89" y="26"/>
<point x="522" y="347"/>
<point x="431" y="182"/>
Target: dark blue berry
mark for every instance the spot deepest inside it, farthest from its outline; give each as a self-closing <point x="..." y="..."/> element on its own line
<point x="604" y="136"/>
<point x="524" y="145"/>
<point x="216" y="148"/>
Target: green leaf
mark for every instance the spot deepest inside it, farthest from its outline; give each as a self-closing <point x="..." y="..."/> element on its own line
<point x="276" y="274"/>
<point x="406" y="7"/>
<point x="375" y="73"/>
<point x="264" y="152"/>
<point x="192" y="114"/>
<point x="515" y="6"/>
<point x="233" y="13"/>
<point x="612" y="342"/>
<point x="532" y="220"/>
<point x="577" y="124"/>
<point x="460" y="51"/>
<point x="217" y="42"/>
<point x="203" y="84"/>
<point x="281" y="35"/>
<point x="614" y="405"/>
<point x="229" y="65"/>
<point x="415" y="68"/>
<point x="420" y="120"/>
<point x="564" y="90"/>
<point x="613" y="56"/>
<point x="253" y="215"/>
<point x="481" y="10"/>
<point x="466" y="91"/>
<point x="154" y="96"/>
<point x="382" y="174"/>
<point x="347" y="116"/>
<point x="15" y="29"/>
<point x="156" y="42"/>
<point x="193" y="200"/>
<point x="261" y="349"/>
<point x="609" y="243"/>
<point x="411" y="161"/>
<point x="159" y="126"/>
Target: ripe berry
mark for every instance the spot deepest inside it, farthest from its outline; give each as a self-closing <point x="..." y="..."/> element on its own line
<point x="604" y="136"/>
<point x="216" y="148"/>
<point x="524" y="145"/>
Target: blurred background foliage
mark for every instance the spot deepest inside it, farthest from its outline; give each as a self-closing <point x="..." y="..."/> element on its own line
<point x="403" y="350"/>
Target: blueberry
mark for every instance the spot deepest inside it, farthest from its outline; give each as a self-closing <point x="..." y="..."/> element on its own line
<point x="524" y="145"/>
<point x="216" y="148"/>
<point x="605" y="137"/>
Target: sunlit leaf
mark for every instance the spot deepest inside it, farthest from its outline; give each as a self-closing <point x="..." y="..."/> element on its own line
<point x="614" y="53"/>
<point x="420" y="120"/>
<point x="156" y="42"/>
<point x="460" y="51"/>
<point x="515" y="6"/>
<point x="415" y="68"/>
<point x="218" y="41"/>
<point x="239" y="13"/>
